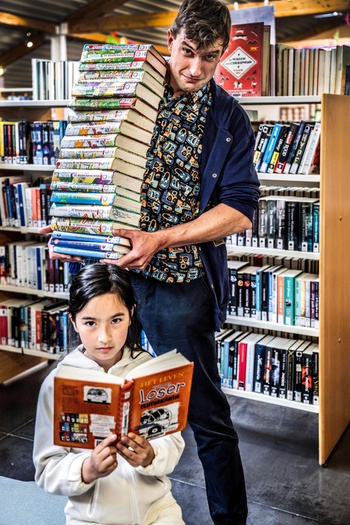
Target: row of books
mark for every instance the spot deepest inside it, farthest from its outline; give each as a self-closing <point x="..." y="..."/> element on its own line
<point x="41" y="325"/>
<point x="38" y="142"/>
<point x="290" y="262"/>
<point x="284" y="223"/>
<point x="274" y="293"/>
<point x="272" y="366"/>
<point x="96" y="184"/>
<point x="23" y="205"/>
<point x="252" y="65"/>
<point x="53" y="80"/>
<point x="284" y="148"/>
<point x="312" y="71"/>
<point x="27" y="264"/>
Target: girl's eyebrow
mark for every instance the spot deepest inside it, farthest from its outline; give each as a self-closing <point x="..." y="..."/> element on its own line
<point x="90" y="318"/>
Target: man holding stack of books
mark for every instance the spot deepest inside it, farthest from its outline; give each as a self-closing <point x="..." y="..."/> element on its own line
<point x="199" y="187"/>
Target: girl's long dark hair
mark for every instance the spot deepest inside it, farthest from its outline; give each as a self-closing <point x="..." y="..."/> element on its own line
<point x="100" y="279"/>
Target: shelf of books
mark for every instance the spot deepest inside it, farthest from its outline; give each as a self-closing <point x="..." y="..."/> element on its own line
<point x="287" y="335"/>
<point x="82" y="175"/>
<point x="32" y="299"/>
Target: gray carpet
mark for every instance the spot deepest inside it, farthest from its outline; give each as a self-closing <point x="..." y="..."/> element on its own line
<point x="23" y="503"/>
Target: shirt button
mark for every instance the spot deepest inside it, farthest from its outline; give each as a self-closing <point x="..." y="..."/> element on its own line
<point x="214" y="175"/>
<point x="228" y="139"/>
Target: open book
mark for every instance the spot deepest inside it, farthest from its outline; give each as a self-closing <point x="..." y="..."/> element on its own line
<point x="151" y="401"/>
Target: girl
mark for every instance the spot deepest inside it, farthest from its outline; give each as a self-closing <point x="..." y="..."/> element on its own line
<point x="120" y="483"/>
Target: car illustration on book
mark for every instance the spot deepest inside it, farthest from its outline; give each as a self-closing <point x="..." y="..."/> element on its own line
<point x="155" y="422"/>
<point x="96" y="395"/>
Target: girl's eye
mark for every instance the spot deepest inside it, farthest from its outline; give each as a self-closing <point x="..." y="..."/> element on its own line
<point x="90" y="323"/>
<point x="116" y="320"/>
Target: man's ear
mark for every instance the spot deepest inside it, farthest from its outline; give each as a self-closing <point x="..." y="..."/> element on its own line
<point x="170" y="40"/>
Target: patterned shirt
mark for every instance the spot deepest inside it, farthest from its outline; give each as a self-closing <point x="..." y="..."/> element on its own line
<point x="171" y="185"/>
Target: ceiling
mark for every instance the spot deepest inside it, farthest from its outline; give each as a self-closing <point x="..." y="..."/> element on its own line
<point x="141" y="21"/>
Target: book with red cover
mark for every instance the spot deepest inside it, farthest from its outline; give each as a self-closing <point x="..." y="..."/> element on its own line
<point x="151" y="401"/>
<point x="240" y="69"/>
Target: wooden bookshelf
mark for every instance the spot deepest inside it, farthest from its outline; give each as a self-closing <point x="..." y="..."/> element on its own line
<point x="334" y="332"/>
<point x="15" y="362"/>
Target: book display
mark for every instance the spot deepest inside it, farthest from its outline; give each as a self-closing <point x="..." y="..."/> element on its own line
<point x="289" y="283"/>
<point x="103" y="153"/>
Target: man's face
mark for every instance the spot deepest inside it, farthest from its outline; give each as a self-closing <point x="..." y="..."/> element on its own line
<point x="191" y="68"/>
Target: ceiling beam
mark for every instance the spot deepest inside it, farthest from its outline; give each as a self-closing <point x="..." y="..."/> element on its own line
<point x="7" y="19"/>
<point x="309" y="34"/>
<point x="95" y="9"/>
<point x="283" y="8"/>
<point x="18" y="51"/>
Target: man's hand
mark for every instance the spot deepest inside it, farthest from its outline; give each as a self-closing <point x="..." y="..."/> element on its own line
<point x="143" y="246"/>
<point x="102" y="461"/>
<point x="136" y="450"/>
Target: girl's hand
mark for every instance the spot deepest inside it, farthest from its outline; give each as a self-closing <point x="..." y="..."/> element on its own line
<point x="102" y="461"/>
<point x="136" y="450"/>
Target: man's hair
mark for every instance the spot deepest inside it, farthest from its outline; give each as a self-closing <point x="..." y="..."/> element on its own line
<point x="204" y="22"/>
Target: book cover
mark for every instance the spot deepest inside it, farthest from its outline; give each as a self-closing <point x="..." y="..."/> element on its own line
<point x="284" y="154"/>
<point x="271" y="145"/>
<point x="152" y="401"/>
<point x="240" y="69"/>
<point x="114" y="103"/>
<point x="106" y="89"/>
<point x="294" y="147"/>
<point x="259" y="363"/>
<point x="90" y="226"/>
<point x="301" y="148"/>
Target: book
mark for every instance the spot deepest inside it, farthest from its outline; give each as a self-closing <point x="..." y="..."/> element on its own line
<point x="240" y="69"/>
<point x="157" y="70"/>
<point x="107" y="139"/>
<point x="106" y="89"/>
<point x="131" y="216"/>
<point x="121" y="77"/>
<point x="119" y="53"/>
<point x="151" y="401"/>
<point x="301" y="148"/>
<point x="307" y="162"/>
<point x="278" y="147"/>
<point x="269" y="150"/>
<point x="114" y="103"/>
<point x="89" y="226"/>
<point x="284" y="154"/>
<point x="259" y="362"/>
<point x="294" y="147"/>
<point x="107" y="116"/>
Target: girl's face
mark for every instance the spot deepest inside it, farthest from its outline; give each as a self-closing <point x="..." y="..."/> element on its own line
<point x="103" y="327"/>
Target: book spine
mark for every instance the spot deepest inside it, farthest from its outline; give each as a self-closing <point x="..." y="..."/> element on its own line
<point x="93" y="254"/>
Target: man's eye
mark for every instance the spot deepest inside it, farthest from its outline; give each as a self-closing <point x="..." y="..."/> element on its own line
<point x="210" y="58"/>
<point x="186" y="51"/>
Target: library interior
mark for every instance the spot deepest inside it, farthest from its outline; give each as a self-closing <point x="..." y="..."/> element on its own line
<point x="81" y="83"/>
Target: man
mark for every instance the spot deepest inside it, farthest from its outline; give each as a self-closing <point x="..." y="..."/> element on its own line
<point x="199" y="187"/>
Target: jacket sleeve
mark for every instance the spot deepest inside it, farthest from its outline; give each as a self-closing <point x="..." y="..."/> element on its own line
<point x="229" y="176"/>
<point x="57" y="469"/>
<point x="168" y="451"/>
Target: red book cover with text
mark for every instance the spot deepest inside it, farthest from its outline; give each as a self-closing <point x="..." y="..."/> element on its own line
<point x="240" y="69"/>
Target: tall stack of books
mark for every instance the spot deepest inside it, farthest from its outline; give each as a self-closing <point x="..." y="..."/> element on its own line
<point x="97" y="180"/>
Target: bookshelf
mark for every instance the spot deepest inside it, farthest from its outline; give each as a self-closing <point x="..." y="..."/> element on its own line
<point x="17" y="362"/>
<point x="334" y="327"/>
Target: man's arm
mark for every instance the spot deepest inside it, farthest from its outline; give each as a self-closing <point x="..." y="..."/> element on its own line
<point x="216" y="223"/>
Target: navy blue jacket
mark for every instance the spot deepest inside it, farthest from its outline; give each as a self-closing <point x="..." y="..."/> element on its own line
<point x="229" y="177"/>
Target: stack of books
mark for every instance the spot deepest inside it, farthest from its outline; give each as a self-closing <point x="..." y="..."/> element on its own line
<point x="97" y="180"/>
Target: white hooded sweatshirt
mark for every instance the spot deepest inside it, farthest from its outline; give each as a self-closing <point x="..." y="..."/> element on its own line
<point x="128" y="496"/>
